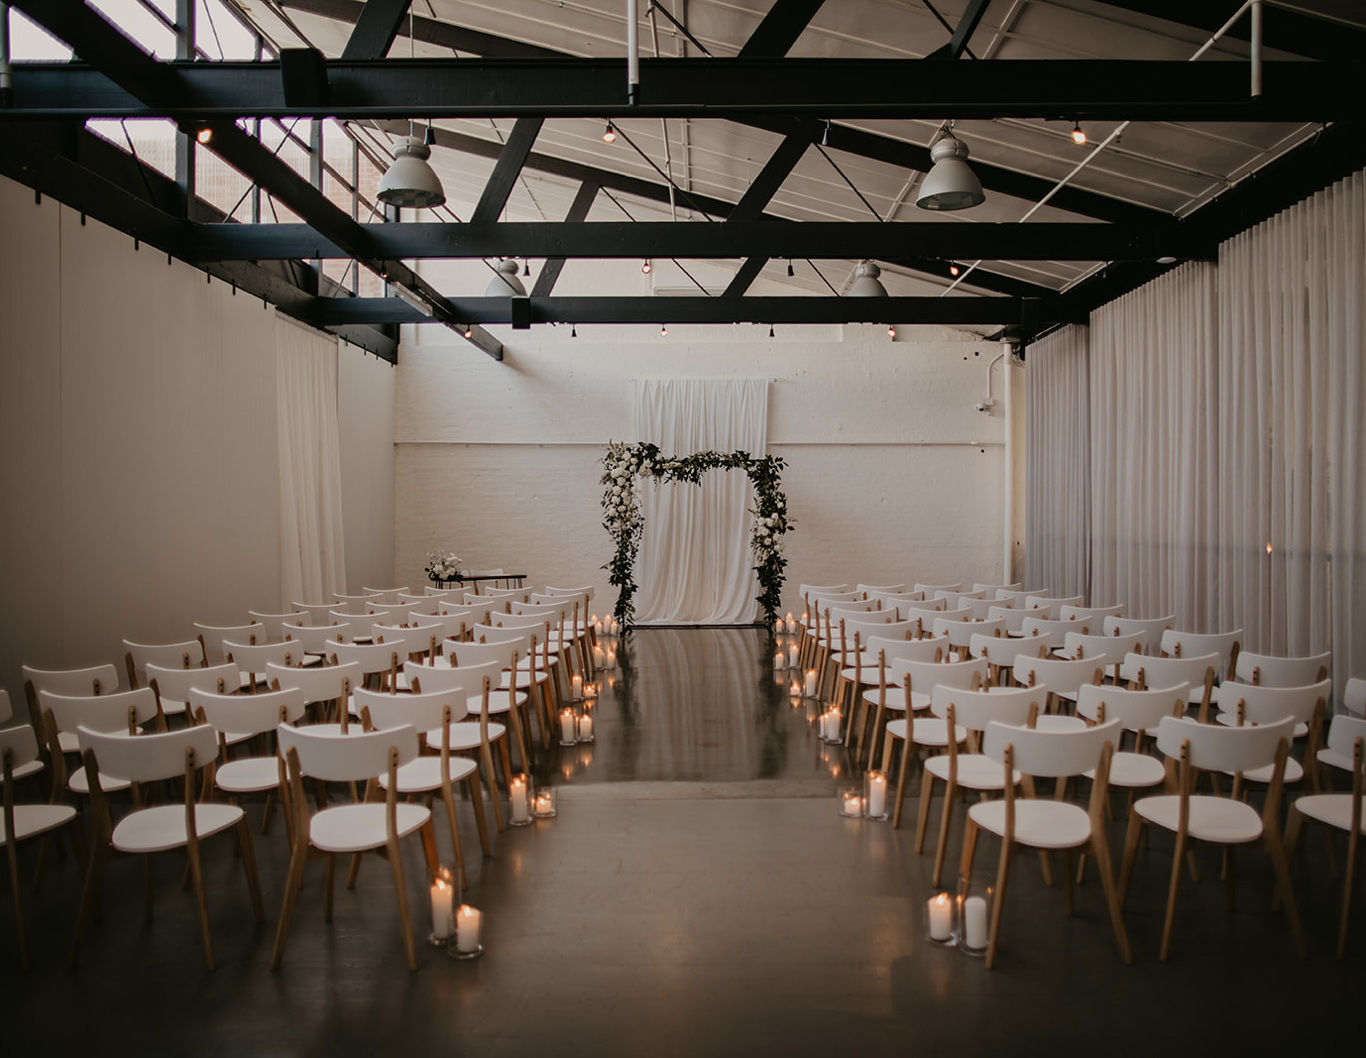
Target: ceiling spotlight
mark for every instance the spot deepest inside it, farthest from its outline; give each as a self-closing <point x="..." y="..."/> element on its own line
<point x="664" y="330"/>
<point x="506" y="284"/>
<point x="609" y="134"/>
<point x="205" y="134"/>
<point x="645" y="267"/>
<point x="789" y="267"/>
<point x="954" y="269"/>
<point x="770" y="330"/>
<point x="825" y="136"/>
<point x="950" y="184"/>
<point x="866" y="283"/>
<point x="891" y="330"/>
<point x="410" y="181"/>
<point x="526" y="268"/>
<point x="1078" y="136"/>
<point x="573" y="331"/>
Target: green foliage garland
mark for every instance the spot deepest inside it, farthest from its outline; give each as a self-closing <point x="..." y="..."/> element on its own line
<point x="624" y="464"/>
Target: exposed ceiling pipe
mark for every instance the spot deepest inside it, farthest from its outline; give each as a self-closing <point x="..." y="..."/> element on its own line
<point x="632" y="53"/>
<point x="6" y="71"/>
<point x="663" y="123"/>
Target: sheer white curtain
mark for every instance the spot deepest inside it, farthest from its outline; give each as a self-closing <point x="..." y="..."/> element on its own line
<point x="695" y="566"/>
<point x="1058" y="464"/>
<point x="312" y="551"/>
<point x="1154" y="448"/>
<point x="1291" y="349"/>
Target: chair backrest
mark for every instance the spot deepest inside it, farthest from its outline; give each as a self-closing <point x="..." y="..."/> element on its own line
<point x="924" y="608"/>
<point x="319" y="613"/>
<point x="821" y="589"/>
<point x="1062" y="676"/>
<point x="855" y="606"/>
<point x="883" y="624"/>
<point x="563" y="599"/>
<point x="953" y="613"/>
<point x="1152" y="626"/>
<point x="518" y="637"/>
<point x="1136" y="710"/>
<point x="1032" y="625"/>
<point x="279" y="624"/>
<point x="1354" y="696"/>
<point x="414" y="638"/>
<point x="466" y="680"/>
<point x="320" y="639"/>
<point x="1269" y="670"/>
<point x="371" y="657"/>
<point x="1050" y="753"/>
<point x="1110" y="649"/>
<point x="1261" y="704"/>
<point x="1014" y="617"/>
<point x="975" y="709"/>
<point x="347" y="600"/>
<point x="387" y="594"/>
<point x="822" y="597"/>
<point x="321" y="683"/>
<point x="97" y="679"/>
<point x="1177" y="644"/>
<point x="422" y="711"/>
<point x="253" y="657"/>
<point x="1343" y="733"/>
<point x="1017" y="596"/>
<point x="955" y="599"/>
<point x="249" y="714"/>
<point x="981" y="608"/>
<point x="868" y="589"/>
<point x="1003" y="651"/>
<point x="121" y="711"/>
<point x="1040" y="602"/>
<point x="20" y="743"/>
<point x="189" y="654"/>
<point x="211" y="637"/>
<point x="993" y="590"/>
<point x="481" y="653"/>
<point x="890" y="599"/>
<point x="961" y="633"/>
<point x="1167" y="672"/>
<point x="1093" y="615"/>
<point x="175" y="684"/>
<point x="931" y="648"/>
<point x="150" y="757"/>
<point x="926" y="675"/>
<point x="587" y="592"/>
<point x="361" y="755"/>
<point x="931" y="589"/>
<point x="1214" y="747"/>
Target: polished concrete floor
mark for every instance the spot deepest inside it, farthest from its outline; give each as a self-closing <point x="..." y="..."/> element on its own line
<point x="697" y="895"/>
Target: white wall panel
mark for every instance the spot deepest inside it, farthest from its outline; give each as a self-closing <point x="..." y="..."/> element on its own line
<point x="365" y="411"/>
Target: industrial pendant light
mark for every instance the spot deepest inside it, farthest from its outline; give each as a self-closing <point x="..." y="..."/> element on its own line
<point x="506" y="284"/>
<point x="866" y="283"/>
<point x="950" y="184"/>
<point x="409" y="181"/>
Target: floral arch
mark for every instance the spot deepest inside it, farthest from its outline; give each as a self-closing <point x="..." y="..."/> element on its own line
<point x="624" y="464"/>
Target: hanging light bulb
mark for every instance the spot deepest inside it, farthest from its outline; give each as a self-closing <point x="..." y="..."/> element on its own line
<point x="573" y="331"/>
<point x="526" y="268"/>
<point x="469" y="331"/>
<point x="645" y="267"/>
<point x="954" y="269"/>
<point x="770" y="330"/>
<point x="789" y="267"/>
<point x="664" y="330"/>
<point x="205" y="134"/>
<point x="609" y="134"/>
<point x="891" y="330"/>
<point x="825" y="136"/>
<point x="1078" y="136"/>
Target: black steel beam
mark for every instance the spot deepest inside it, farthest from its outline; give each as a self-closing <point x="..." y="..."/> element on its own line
<point x="770" y="178"/>
<point x="510" y="161"/>
<point x="626" y="239"/>
<point x="785" y="22"/>
<point x="882" y="89"/>
<point x="933" y="310"/>
<point x="578" y="211"/>
<point x="744" y="276"/>
<point x="376" y="25"/>
<point x="962" y="33"/>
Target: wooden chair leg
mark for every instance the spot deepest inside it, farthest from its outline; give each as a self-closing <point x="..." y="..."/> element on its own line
<point x="249" y="868"/>
<point x="1126" y="872"/>
<point x="922" y="815"/>
<point x="293" y="881"/>
<point x="1172" y="888"/>
<point x="477" y="803"/>
<point x="941" y="847"/>
<point x="998" y="906"/>
<point x="401" y="892"/>
<point x="900" y="778"/>
<point x="1101" y="850"/>
<point x="969" y="849"/>
<point x="491" y="777"/>
<point x="1272" y="840"/>
<point x="1353" y="840"/>
<point x="449" y="802"/>
<point x="197" y="872"/>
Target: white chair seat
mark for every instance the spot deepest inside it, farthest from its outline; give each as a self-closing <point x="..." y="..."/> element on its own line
<point x="1294" y="772"/>
<point x="465" y="736"/>
<point x="1216" y="819"/>
<point x="896" y="697"/>
<point x="36" y="819"/>
<point x="424" y="774"/>
<point x="867" y="675"/>
<point x="1133" y="770"/>
<point x="932" y="731"/>
<point x="1054" y="722"/>
<point x="976" y="771"/>
<point x="356" y="828"/>
<point x="1333" y="809"/>
<point x="524" y="678"/>
<point x="1335" y="759"/>
<point x="68" y="741"/>
<point x="250" y="775"/>
<point x="170" y="707"/>
<point x="1229" y="718"/>
<point x="33" y="767"/>
<point x="161" y="828"/>
<point x="78" y="783"/>
<point x="1041" y="824"/>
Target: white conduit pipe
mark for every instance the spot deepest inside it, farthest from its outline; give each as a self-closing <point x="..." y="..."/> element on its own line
<point x="1256" y="81"/>
<point x="6" y="70"/>
<point x="632" y="52"/>
<point x="1007" y="358"/>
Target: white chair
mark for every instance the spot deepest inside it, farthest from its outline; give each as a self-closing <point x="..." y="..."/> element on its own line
<point x="319" y="613"/>
<point x="1220" y="820"/>
<point x="1138" y="712"/>
<point x="1247" y="703"/>
<point x="350" y="829"/>
<point x="1047" y="825"/>
<point x="919" y="678"/>
<point x="972" y="711"/>
<point x="172" y="686"/>
<point x="1014" y="617"/>
<point x="993" y="590"/>
<point x="28" y="767"/>
<point x="19" y="752"/>
<point x="1054" y="605"/>
<point x="319" y="640"/>
<point x="956" y="599"/>
<point x="238" y="717"/>
<point x="981" y="608"/>
<point x="1037" y="626"/>
<point x="388" y="595"/>
<point x="280" y="625"/>
<point x="1142" y="670"/>
<point x="63" y="715"/>
<point x="1268" y="670"/>
<point x="381" y="660"/>
<point x="1092" y="615"/>
<point x="1354" y="697"/>
<point x="211" y="637"/>
<point x="147" y="758"/>
<point x="1112" y="650"/>
<point x="931" y="589"/>
<point x="1346" y="737"/>
<point x="1228" y="645"/>
<point x="433" y="713"/>
<point x="189" y="654"/>
<point x="251" y="659"/>
<point x="419" y="637"/>
<point x="1064" y="678"/>
<point x="94" y="680"/>
<point x="529" y="673"/>
<point x="1152" y="627"/>
<point x="1016" y="596"/>
<point x="890" y="692"/>
<point x="961" y="633"/>
<point x="1001" y="652"/>
<point x="329" y="686"/>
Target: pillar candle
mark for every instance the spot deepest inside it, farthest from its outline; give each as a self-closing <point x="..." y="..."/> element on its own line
<point x="443" y="901"/>
<point x="877" y="794"/>
<point x="791" y="623"/>
<point x="611" y="659"/>
<point x="796" y="691"/>
<point x="517" y="799"/>
<point x="616" y="626"/>
<point x="585" y="727"/>
<point x="778" y="626"/>
<point x="468" y="921"/>
<point x="567" y="726"/>
<point x="598" y="658"/>
<point x="779" y="660"/>
<point x="941" y="917"/>
<point x="853" y="803"/>
<point x="577" y="683"/>
<point x="545" y="803"/>
<point x="597" y="628"/>
<point x="792" y="659"/>
<point x="811" y="683"/>
<point x="975" y="922"/>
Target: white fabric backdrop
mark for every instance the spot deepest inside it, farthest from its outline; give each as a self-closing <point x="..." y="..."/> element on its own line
<point x="1058" y="464"/>
<point x="695" y="565"/>
<point x="312" y="550"/>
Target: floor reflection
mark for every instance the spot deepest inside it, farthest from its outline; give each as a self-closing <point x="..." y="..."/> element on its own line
<point x="697" y="705"/>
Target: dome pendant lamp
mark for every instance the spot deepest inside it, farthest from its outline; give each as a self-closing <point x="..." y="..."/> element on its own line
<point x="505" y="283"/>
<point x="410" y="182"/>
<point x="950" y="184"/>
<point x="866" y="283"/>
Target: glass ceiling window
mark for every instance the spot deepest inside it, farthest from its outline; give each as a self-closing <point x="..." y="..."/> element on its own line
<point x="27" y="41"/>
<point x="141" y="25"/>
